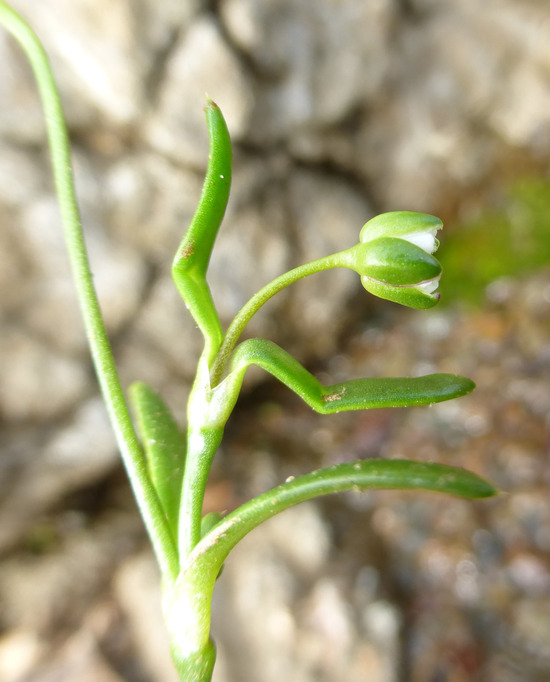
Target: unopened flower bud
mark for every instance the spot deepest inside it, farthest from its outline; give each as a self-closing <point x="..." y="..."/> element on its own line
<point x="394" y="258"/>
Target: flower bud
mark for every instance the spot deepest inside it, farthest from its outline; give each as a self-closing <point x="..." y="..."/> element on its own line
<point x="416" y="228"/>
<point x="394" y="258"/>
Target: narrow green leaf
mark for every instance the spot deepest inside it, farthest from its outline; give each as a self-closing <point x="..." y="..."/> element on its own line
<point x="356" y="394"/>
<point x="193" y="255"/>
<point x="360" y="394"/>
<point x="359" y="475"/>
<point x="164" y="446"/>
<point x="196" y="246"/>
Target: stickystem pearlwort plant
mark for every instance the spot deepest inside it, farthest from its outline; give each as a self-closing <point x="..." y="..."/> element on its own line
<point x="168" y="468"/>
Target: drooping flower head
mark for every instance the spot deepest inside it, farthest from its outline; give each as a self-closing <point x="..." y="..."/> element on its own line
<point x="394" y="258"/>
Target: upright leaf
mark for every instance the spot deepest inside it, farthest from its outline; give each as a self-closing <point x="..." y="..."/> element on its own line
<point x="164" y="446"/>
<point x="193" y="255"/>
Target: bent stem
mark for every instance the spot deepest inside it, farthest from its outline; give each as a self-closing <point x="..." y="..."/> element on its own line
<point x="102" y="356"/>
<point x="252" y="306"/>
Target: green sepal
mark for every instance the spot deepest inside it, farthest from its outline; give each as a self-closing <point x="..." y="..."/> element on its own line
<point x="399" y="224"/>
<point x="164" y="445"/>
<point x="396" y="262"/>
<point x="410" y="296"/>
<point x="358" y="476"/>
<point x="356" y="394"/>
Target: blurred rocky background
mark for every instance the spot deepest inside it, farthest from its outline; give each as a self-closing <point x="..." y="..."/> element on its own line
<point x="339" y="109"/>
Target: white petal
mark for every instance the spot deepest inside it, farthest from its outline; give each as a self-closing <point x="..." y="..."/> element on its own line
<point x="430" y="286"/>
<point x="425" y="240"/>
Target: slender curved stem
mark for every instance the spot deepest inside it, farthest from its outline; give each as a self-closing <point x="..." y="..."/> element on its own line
<point x="250" y="308"/>
<point x="132" y="454"/>
<point x="202" y="445"/>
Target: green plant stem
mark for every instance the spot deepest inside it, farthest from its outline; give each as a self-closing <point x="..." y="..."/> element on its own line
<point x="250" y="308"/>
<point x="202" y="445"/>
<point x="187" y="609"/>
<point x="132" y="455"/>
